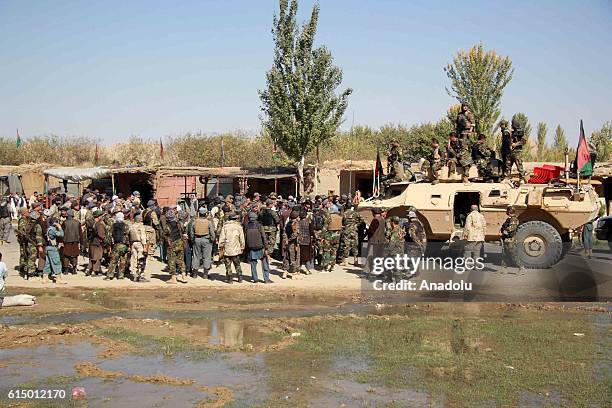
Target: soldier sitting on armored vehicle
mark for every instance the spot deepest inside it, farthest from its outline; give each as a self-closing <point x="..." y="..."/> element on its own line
<point x="435" y="161"/>
<point x="484" y="157"/>
<point x="395" y="165"/>
<point x="459" y="154"/>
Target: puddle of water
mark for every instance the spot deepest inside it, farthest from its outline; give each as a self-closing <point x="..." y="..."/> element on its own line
<point x="80" y="317"/>
<point x="351" y="393"/>
<point x="53" y="367"/>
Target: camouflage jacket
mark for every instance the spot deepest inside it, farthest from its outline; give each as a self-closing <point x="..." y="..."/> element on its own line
<point x="395" y="154"/>
<point x="508" y="228"/>
<point x="351" y="219"/>
<point x="34" y="233"/>
<point x="416" y="232"/>
<point x="395" y="238"/>
<point x="437" y="154"/>
<point x="518" y="139"/>
<point x="454" y="149"/>
<point x="481" y="152"/>
<point x="22" y="226"/>
<point x="465" y="122"/>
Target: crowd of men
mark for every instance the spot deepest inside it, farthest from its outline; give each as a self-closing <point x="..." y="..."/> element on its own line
<point x="303" y="235"/>
<point x="119" y="235"/>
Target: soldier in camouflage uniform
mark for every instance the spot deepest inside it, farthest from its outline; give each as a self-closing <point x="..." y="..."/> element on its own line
<point x="416" y="239"/>
<point x="120" y="251"/>
<point x="319" y="220"/>
<point x="435" y="161"/>
<point x="481" y="154"/>
<point x="395" y="245"/>
<point x="152" y="226"/>
<point x="35" y="244"/>
<point x="331" y="239"/>
<point x="108" y="221"/>
<point x="269" y="219"/>
<point x="516" y="150"/>
<point x="351" y="220"/>
<point x="459" y="154"/>
<point x="465" y="122"/>
<point x="174" y="235"/>
<point x="22" y="239"/>
<point x="395" y="164"/>
<point x="508" y="236"/>
<point x="506" y="143"/>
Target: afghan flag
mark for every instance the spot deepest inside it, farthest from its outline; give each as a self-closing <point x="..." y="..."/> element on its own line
<point x="584" y="166"/>
<point x="18" y="140"/>
<point x="161" y="148"/>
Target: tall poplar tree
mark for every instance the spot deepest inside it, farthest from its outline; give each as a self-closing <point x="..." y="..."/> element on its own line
<point x="300" y="107"/>
<point x="478" y="78"/>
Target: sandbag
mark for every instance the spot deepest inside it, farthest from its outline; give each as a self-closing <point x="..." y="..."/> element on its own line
<point x="18" y="300"/>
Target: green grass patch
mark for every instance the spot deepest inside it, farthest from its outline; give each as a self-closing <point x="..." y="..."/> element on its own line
<point x="466" y="361"/>
<point x="165" y="345"/>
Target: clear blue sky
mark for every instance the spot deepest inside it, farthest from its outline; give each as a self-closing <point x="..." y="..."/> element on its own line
<point x="110" y="69"/>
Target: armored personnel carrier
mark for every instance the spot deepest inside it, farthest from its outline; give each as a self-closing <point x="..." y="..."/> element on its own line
<point x="548" y="214"/>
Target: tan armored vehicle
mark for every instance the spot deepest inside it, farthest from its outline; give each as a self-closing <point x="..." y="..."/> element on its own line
<point x="548" y="215"/>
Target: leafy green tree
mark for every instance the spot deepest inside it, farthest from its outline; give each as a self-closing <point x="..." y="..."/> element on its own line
<point x="9" y="153"/>
<point x="559" y="144"/>
<point x="300" y="106"/>
<point x="478" y="78"/>
<point x="523" y="121"/>
<point x="542" y="130"/>
<point x="602" y="141"/>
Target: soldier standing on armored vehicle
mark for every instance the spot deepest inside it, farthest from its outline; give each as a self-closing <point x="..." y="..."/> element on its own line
<point x="508" y="236"/>
<point x="465" y="122"/>
<point x="506" y="143"/>
<point x="518" y="140"/>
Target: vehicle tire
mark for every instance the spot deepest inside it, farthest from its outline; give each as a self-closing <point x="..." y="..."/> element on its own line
<point x="538" y="245"/>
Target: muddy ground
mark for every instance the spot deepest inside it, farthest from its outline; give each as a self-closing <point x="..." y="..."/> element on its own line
<point x="213" y="348"/>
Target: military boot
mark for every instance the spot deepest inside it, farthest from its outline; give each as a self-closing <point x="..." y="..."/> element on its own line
<point x="284" y="276"/>
<point x="172" y="280"/>
<point x="344" y="262"/>
<point x="230" y="278"/>
<point x="466" y="180"/>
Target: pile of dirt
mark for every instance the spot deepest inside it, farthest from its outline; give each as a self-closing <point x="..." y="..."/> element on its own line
<point x="88" y="369"/>
<point x="223" y="395"/>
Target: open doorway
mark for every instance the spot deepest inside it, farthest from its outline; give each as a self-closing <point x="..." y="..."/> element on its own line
<point x="461" y="206"/>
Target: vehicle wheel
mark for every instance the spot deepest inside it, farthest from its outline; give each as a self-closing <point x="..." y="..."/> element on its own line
<point x="538" y="245"/>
